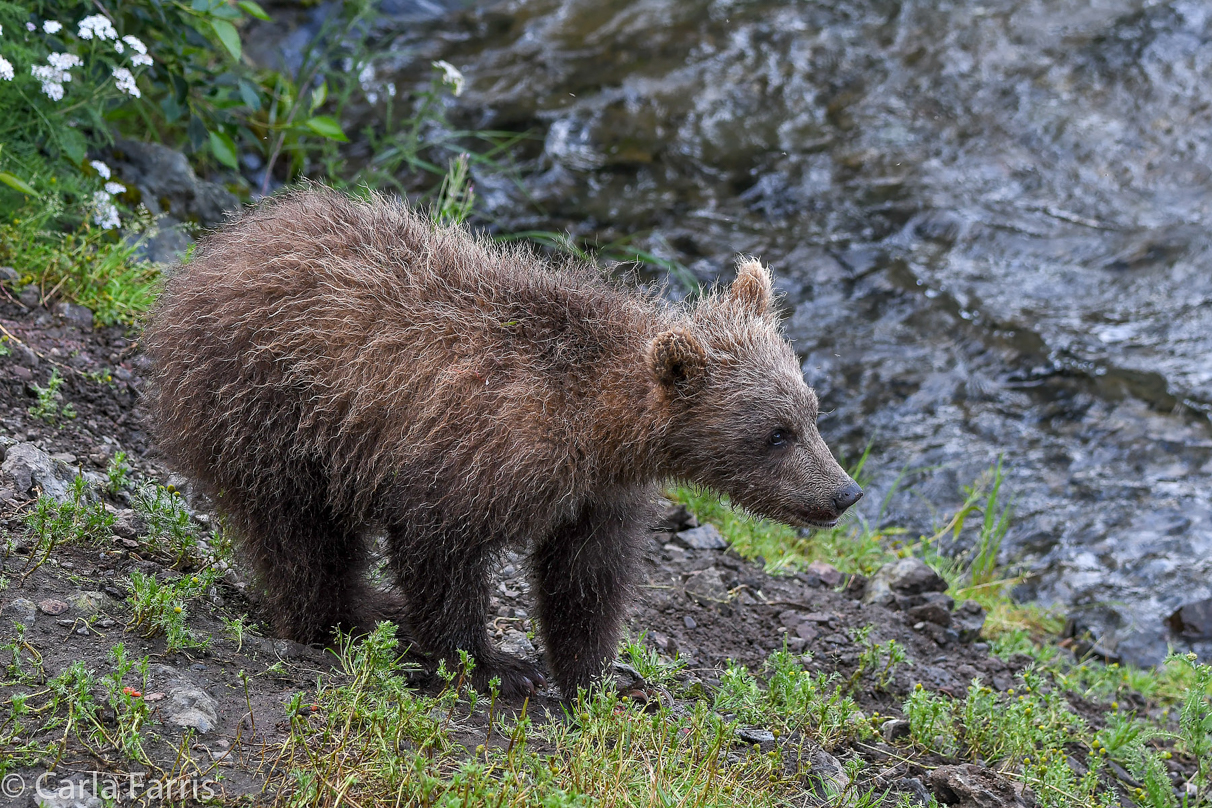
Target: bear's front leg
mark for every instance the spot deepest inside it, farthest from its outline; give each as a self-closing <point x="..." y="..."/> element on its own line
<point x="445" y="580"/>
<point x="583" y="575"/>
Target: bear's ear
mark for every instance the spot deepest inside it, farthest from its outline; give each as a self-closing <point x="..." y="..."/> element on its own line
<point x="677" y="358"/>
<point x="751" y="290"/>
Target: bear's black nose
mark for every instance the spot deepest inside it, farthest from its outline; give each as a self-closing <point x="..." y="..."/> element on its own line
<point x="847" y="496"/>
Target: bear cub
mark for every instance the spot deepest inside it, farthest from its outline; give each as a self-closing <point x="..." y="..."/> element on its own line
<point x="331" y="370"/>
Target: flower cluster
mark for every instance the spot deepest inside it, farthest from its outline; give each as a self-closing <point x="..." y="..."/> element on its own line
<point x="139" y="57"/>
<point x="125" y="81"/>
<point x="105" y="212"/>
<point x="54" y="74"/>
<point x="97" y="25"/>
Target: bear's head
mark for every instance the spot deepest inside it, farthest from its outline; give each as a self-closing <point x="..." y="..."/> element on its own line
<point x="741" y="420"/>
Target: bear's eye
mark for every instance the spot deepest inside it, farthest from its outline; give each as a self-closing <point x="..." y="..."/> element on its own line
<point x="780" y="437"/>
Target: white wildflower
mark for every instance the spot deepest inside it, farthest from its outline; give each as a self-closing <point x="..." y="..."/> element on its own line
<point x="52" y="27"/>
<point x="64" y="62"/>
<point x="451" y="76"/>
<point x="140" y="59"/>
<point x="135" y="43"/>
<point x="52" y="80"/>
<point x="125" y="82"/>
<point x="6" y="69"/>
<point x="366" y="75"/>
<point x="105" y="214"/>
<point x="102" y="169"/>
<point x="29" y="26"/>
<point x="115" y="187"/>
<point x="119" y="47"/>
<point x="97" y="25"/>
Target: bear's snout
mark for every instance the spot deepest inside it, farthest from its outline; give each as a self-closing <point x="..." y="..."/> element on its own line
<point x="846" y="496"/>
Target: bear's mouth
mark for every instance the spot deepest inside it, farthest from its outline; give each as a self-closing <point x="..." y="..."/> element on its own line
<point x="816" y="517"/>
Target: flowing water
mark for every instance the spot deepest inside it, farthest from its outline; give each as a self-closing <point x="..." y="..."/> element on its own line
<point x="990" y="221"/>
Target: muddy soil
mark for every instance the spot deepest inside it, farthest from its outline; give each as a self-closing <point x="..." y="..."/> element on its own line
<point x="709" y="606"/>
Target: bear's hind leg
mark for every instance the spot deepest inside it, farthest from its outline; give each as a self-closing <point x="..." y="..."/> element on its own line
<point x="445" y="581"/>
<point x="583" y="578"/>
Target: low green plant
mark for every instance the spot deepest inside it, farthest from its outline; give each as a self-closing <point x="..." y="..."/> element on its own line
<point x="931" y="721"/>
<point x="78" y="519"/>
<point x="117" y="474"/>
<point x="655" y="667"/>
<point x="170" y="530"/>
<point x="878" y="660"/>
<point x="815" y="704"/>
<point x="50" y="406"/>
<point x="159" y="608"/>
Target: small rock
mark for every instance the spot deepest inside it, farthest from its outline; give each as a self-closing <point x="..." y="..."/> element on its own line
<point x="191" y="706"/>
<point x="706" y="537"/>
<point x="517" y="643"/>
<point x="674" y="517"/>
<point x="128" y="524"/>
<point x="918" y="795"/>
<point x="105" y="622"/>
<point x="689" y="622"/>
<point x="30" y="297"/>
<point x="627" y="678"/>
<point x="806" y="632"/>
<point x="826" y="776"/>
<point x="1193" y="621"/>
<point x="52" y="607"/>
<point x="905" y="576"/>
<point x="752" y="736"/>
<point x="894" y="728"/>
<point x="829" y="574"/>
<point x="968" y="621"/>
<point x="663" y="643"/>
<point x="9" y="274"/>
<point x="89" y="602"/>
<point x="707" y="586"/>
<point x="51" y="796"/>
<point x="931" y="612"/>
<point x="31" y="469"/>
<point x="856" y="586"/>
<point x="23" y="374"/>
<point x="76" y="315"/>
<point x="971" y="786"/>
<point x="21" y="610"/>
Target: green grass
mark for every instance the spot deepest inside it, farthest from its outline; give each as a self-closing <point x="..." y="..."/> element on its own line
<point x="84" y="265"/>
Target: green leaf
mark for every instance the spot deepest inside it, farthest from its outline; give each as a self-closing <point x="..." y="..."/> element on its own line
<point x="228" y="35"/>
<point x="248" y="92"/>
<point x="253" y="9"/>
<point x="18" y="183"/>
<point x="224" y="149"/>
<point x="318" y="95"/>
<point x="73" y="144"/>
<point x="326" y="126"/>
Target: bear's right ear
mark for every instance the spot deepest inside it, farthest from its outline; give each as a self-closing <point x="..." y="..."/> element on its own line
<point x="677" y="358"/>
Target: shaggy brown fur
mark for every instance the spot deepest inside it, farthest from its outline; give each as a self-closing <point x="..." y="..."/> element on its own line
<point x="329" y="367"/>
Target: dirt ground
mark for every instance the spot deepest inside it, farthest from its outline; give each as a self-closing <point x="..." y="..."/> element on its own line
<point x="708" y="606"/>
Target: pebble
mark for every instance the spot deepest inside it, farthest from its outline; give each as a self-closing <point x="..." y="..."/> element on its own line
<point x="52" y="607"/>
<point x="688" y="622"/>
<point x="751" y="736"/>
<point x="705" y="537"/>
<point x="21" y="610"/>
<point x="829" y="574"/>
<point x="893" y="729"/>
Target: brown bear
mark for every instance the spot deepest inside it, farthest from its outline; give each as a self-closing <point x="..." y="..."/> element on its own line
<point x="329" y="369"/>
